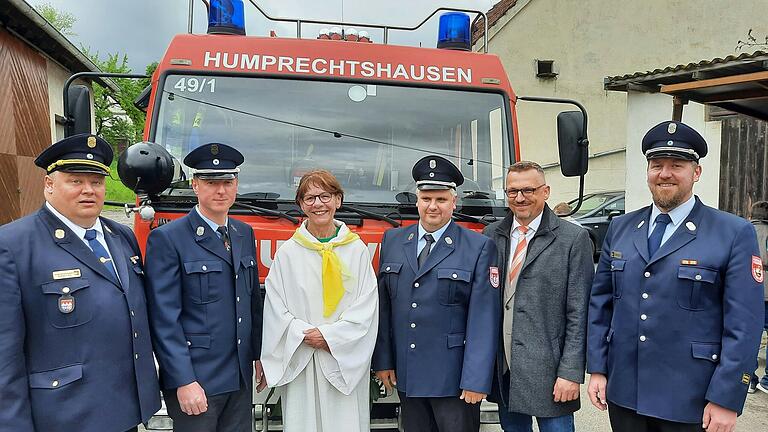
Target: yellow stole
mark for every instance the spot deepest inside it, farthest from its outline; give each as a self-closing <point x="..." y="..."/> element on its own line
<point x="333" y="287"/>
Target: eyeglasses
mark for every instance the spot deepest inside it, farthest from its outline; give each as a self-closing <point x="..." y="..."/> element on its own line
<point x="527" y="192"/>
<point x="310" y="199"/>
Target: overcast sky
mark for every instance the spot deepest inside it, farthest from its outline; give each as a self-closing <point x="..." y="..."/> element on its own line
<point x="142" y="29"/>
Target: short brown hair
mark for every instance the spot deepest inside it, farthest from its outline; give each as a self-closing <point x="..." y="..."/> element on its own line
<point x="525" y="166"/>
<point x="322" y="179"/>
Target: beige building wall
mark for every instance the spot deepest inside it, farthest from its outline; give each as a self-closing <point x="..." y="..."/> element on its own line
<point x="591" y="39"/>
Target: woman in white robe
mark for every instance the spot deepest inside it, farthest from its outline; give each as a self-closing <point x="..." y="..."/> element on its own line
<point x="321" y="317"/>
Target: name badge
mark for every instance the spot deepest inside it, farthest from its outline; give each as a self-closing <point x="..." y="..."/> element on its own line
<point x="66" y="274"/>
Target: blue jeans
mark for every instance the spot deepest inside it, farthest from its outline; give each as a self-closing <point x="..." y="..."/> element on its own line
<point x="515" y="422"/>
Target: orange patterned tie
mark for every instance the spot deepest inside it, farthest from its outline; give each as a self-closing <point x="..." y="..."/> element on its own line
<point x="519" y="257"/>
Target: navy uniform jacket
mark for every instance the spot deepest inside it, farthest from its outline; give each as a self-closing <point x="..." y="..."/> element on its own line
<point x="683" y="328"/>
<point x="438" y="325"/>
<point x="89" y="370"/>
<point x="205" y="307"/>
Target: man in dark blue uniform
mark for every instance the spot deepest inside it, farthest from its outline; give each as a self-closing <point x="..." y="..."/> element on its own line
<point x="676" y="305"/>
<point x="204" y="302"/>
<point x="439" y="310"/>
<point x="74" y="336"/>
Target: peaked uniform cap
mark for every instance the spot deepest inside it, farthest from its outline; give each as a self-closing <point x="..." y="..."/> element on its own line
<point x="673" y="139"/>
<point x="214" y="161"/>
<point x="436" y="173"/>
<point x="82" y="153"/>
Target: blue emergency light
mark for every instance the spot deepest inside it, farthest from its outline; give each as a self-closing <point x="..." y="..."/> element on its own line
<point x="454" y="32"/>
<point x="226" y="17"/>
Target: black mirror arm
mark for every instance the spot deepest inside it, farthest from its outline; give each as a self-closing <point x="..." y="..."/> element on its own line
<point x="67" y="115"/>
<point x="584" y="141"/>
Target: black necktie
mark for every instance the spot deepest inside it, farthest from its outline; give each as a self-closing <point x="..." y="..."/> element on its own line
<point x="222" y="230"/>
<point x="425" y="251"/>
<point x="654" y="241"/>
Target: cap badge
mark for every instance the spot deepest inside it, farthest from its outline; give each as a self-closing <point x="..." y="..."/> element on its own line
<point x="214" y="149"/>
<point x="672" y="128"/>
<point x="89" y="156"/>
<point x="59" y="233"/>
<point x="690" y="225"/>
<point x="200" y="230"/>
<point x="432" y="163"/>
<point x="92" y="142"/>
<point x="215" y="161"/>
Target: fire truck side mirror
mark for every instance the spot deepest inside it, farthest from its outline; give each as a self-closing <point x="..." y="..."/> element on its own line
<point x="572" y="143"/>
<point x="79" y="110"/>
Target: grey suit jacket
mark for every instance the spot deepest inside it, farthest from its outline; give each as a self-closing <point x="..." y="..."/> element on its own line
<point x="550" y="315"/>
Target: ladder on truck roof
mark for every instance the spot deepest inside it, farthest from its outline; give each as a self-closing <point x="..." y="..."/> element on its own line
<point x="384" y="28"/>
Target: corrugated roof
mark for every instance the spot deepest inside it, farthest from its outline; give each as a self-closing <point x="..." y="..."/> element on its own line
<point x="726" y="63"/>
<point x="494" y="15"/>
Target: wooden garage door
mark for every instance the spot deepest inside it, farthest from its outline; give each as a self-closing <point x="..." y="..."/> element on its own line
<point x="24" y="125"/>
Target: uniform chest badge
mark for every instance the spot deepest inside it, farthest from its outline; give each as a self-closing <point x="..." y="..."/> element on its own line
<point x="66" y="274"/>
<point x="689" y="262"/>
<point x="66" y="304"/>
<point x="616" y="254"/>
<point x="757" y="269"/>
<point x="494" y="277"/>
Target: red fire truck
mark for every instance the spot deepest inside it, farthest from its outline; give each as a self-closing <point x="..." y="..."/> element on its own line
<point x="364" y="110"/>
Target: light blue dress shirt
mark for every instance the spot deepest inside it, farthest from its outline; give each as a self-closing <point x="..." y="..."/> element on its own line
<point x="677" y="214"/>
<point x="435" y="235"/>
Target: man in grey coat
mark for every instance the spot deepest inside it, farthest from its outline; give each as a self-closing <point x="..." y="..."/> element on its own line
<point x="546" y="272"/>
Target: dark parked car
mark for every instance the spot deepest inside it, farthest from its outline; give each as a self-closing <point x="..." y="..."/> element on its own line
<point x="596" y="212"/>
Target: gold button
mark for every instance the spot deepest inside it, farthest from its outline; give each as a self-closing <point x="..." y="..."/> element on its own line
<point x="454" y="275"/>
<point x="205" y="268"/>
<point x="238" y="299"/>
<point x="55" y="383"/>
<point x="714" y="356"/>
<point x="413" y="346"/>
<point x="65" y="290"/>
<point x="642" y="338"/>
<point x="189" y="343"/>
<point x="416" y="285"/>
<point x="388" y="267"/>
<point x="647" y="274"/>
<point x="136" y="356"/>
<point x="135" y="335"/>
<point x="413" y="305"/>
<point x="643" y="317"/>
<point x="413" y="325"/>
<point x="645" y="295"/>
<point x="239" y="320"/>
<point x="698" y="277"/>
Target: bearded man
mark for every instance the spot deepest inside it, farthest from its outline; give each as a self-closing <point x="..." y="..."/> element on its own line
<point x="676" y="305"/>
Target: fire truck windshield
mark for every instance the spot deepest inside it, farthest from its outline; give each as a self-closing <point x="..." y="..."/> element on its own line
<point x="368" y="136"/>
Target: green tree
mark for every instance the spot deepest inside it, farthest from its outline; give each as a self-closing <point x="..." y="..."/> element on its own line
<point x="61" y="21"/>
<point x="117" y="118"/>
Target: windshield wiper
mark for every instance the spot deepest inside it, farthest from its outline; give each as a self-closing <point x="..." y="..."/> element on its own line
<point x="469" y="218"/>
<point x="268" y="212"/>
<point x="370" y="214"/>
<point x="260" y="195"/>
